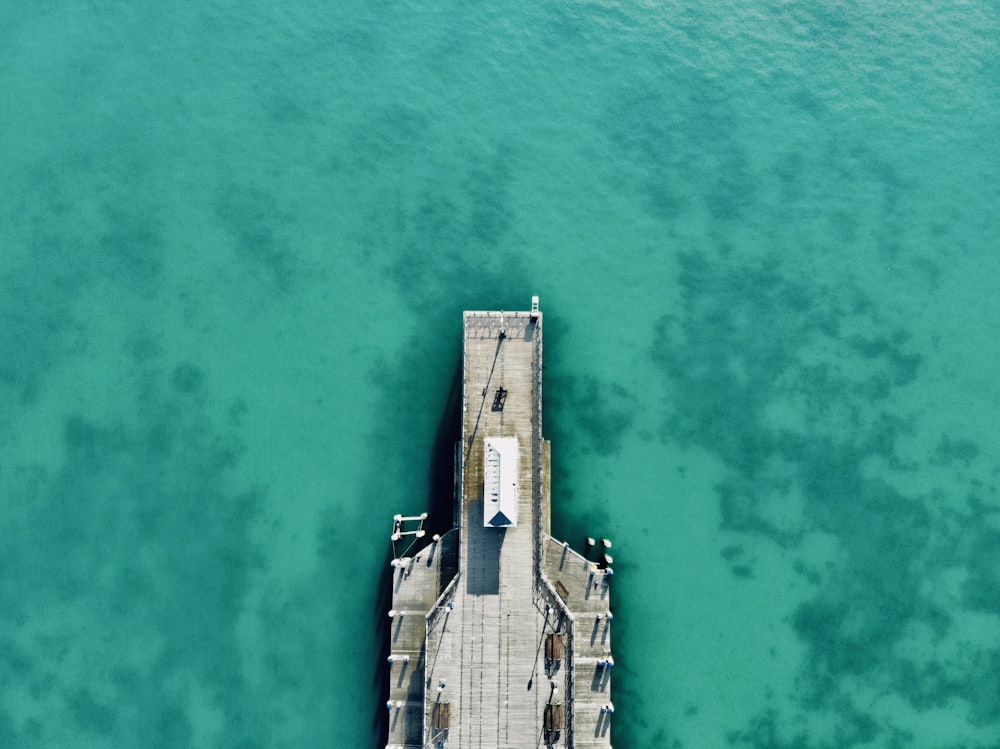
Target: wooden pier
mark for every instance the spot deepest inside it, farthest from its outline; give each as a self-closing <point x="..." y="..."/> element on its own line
<point x="500" y="635"/>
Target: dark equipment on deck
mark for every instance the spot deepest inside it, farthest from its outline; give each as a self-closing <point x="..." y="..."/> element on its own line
<point x="554" y="649"/>
<point x="554" y="717"/>
<point x="499" y="399"/>
<point x="442" y="716"/>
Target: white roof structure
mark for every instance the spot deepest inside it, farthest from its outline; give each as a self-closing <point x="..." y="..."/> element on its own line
<point x="500" y="483"/>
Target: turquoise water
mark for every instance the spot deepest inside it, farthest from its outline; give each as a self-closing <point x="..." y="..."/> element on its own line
<point x="235" y="243"/>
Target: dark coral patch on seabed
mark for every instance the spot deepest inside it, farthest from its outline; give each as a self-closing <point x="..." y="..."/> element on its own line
<point x="162" y="611"/>
<point x="726" y="363"/>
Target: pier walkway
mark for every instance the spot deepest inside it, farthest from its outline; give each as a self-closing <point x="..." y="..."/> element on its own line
<point x="513" y="650"/>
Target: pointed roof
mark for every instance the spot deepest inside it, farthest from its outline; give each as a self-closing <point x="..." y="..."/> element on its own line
<point x="500" y="519"/>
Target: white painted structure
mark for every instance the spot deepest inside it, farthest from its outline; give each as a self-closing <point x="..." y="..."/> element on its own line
<point x="500" y="482"/>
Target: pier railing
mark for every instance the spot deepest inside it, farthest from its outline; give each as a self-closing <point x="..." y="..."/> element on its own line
<point x="430" y="619"/>
<point x="546" y="589"/>
<point x="552" y="599"/>
<point x="536" y="417"/>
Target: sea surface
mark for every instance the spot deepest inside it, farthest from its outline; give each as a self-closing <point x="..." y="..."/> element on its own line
<point x="236" y="240"/>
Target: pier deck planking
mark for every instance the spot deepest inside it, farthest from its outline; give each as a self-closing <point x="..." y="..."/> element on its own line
<point x="477" y="676"/>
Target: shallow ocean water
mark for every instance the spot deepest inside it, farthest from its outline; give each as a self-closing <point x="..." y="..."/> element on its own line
<point x="236" y="243"/>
